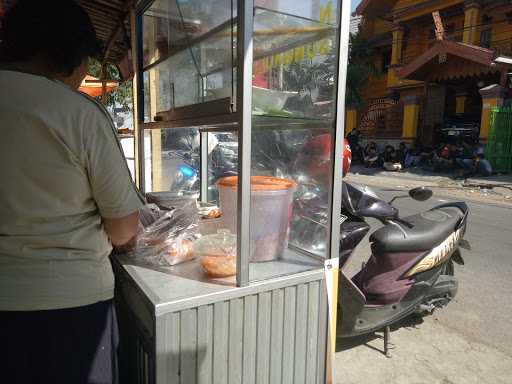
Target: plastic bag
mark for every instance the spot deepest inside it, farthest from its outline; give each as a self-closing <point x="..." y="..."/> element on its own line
<point x="217" y="253"/>
<point x="165" y="236"/>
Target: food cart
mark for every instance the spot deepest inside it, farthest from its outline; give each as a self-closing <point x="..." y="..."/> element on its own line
<point x="256" y="80"/>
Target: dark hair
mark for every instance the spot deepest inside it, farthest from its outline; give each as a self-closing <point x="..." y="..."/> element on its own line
<point x="60" y="30"/>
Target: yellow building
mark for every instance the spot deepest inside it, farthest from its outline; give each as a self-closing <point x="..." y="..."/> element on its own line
<point x="456" y="71"/>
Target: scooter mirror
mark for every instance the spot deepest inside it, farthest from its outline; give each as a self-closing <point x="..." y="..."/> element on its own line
<point x="421" y="193"/>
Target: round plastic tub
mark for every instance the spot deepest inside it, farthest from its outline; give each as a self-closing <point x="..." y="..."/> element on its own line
<point x="271" y="213"/>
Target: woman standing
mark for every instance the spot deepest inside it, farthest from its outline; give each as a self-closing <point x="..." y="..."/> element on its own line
<point x="66" y="198"/>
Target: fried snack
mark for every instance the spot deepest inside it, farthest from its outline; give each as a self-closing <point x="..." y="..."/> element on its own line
<point x="219" y="266"/>
<point x="214" y="214"/>
<point x="180" y="253"/>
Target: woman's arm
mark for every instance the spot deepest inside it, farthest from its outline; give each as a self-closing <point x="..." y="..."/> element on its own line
<point x="121" y="230"/>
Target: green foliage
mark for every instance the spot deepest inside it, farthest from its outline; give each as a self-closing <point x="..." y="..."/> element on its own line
<point x="304" y="76"/>
<point x="360" y="68"/>
<point x="120" y="95"/>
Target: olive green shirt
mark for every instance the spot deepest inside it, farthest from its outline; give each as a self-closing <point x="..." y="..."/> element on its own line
<point x="61" y="171"/>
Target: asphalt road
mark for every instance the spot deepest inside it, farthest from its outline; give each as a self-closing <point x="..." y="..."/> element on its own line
<point x="478" y="320"/>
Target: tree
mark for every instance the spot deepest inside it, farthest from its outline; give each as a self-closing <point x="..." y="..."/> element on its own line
<point x="121" y="95"/>
<point x="360" y="68"/>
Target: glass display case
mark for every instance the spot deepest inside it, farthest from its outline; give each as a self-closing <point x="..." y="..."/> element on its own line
<point x="255" y="136"/>
<point x="239" y="109"/>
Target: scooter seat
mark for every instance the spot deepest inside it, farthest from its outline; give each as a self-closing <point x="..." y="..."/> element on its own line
<point x="426" y="231"/>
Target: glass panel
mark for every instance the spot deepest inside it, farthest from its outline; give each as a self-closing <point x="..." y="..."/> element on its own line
<point x="295" y="62"/>
<point x="170" y="25"/>
<point x="289" y="200"/>
<point x="222" y="160"/>
<point x="195" y="42"/>
<point x="293" y="119"/>
<point x="200" y="73"/>
<point x="320" y="10"/>
<point x="173" y="161"/>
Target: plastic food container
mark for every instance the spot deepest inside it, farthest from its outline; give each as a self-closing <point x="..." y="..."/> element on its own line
<point x="271" y="213"/>
<point x="217" y="253"/>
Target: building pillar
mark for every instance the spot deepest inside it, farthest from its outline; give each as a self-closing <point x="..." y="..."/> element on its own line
<point x="396" y="54"/>
<point x="351" y="119"/>
<point x="411" y="117"/>
<point x="492" y="96"/>
<point x="398" y="43"/>
<point x="471" y="21"/>
<point x="460" y="102"/>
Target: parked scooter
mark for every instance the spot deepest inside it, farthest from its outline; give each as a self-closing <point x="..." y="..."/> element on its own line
<point x="411" y="267"/>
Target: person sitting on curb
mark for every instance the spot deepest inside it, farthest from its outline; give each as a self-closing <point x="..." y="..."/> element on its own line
<point x="472" y="162"/>
<point x="402" y="153"/>
<point x="391" y="159"/>
<point x="444" y="158"/>
<point x="371" y="155"/>
<point x="353" y="140"/>
<point x="412" y="158"/>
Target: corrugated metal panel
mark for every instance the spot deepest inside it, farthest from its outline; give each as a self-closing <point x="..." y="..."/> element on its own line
<point x="301" y="323"/>
<point x="289" y="322"/>
<point x="263" y="338"/>
<point x="105" y="15"/>
<point x="220" y="342"/>
<point x="273" y="337"/>
<point x="312" y="338"/>
<point x="322" y="334"/>
<point x="276" y="337"/>
<point x="205" y="344"/>
<point x="236" y="337"/>
<point x="250" y="339"/>
<point x="188" y="346"/>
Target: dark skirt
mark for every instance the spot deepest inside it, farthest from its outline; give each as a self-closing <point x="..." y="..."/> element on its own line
<point x="71" y="346"/>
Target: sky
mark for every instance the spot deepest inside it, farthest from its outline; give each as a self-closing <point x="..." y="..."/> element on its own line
<point x="355" y="3"/>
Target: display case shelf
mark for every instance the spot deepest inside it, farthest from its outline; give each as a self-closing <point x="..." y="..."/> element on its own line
<point x="228" y="123"/>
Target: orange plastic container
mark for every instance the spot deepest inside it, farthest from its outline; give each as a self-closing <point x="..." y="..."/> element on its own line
<point x="271" y="213"/>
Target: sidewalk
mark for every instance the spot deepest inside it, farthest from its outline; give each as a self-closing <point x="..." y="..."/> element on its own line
<point x="496" y="189"/>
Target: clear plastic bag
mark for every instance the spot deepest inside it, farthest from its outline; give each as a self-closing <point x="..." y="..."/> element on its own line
<point x="165" y="236"/>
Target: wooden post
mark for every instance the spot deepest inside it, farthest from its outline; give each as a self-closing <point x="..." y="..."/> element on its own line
<point x="440" y="34"/>
<point x="103" y="78"/>
<point x="139" y="181"/>
<point x="156" y="134"/>
<point x="471" y="20"/>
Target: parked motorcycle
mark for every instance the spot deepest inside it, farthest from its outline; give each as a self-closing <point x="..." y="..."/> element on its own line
<point x="411" y="268"/>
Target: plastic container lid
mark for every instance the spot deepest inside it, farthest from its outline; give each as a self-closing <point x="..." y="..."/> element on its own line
<point x="221" y="244"/>
<point x="260" y="183"/>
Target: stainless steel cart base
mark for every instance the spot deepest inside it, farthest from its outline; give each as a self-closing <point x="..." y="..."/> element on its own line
<point x="271" y="332"/>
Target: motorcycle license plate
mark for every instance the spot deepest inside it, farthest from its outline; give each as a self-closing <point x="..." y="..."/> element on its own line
<point x="452" y="133"/>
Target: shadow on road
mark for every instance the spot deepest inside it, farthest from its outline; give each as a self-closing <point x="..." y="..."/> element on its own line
<point x="343" y="344"/>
